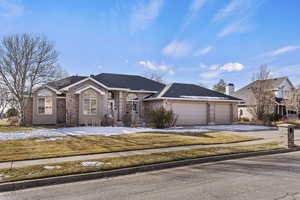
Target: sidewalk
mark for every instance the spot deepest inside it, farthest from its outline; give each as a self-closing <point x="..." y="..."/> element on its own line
<point x="124" y="153"/>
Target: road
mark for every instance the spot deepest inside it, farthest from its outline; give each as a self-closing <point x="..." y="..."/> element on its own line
<point x="275" y="177"/>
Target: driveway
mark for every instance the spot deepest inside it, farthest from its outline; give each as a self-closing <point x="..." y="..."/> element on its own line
<point x="275" y="177"/>
<point x="107" y="131"/>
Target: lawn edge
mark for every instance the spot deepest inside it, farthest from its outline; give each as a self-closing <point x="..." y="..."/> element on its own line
<point x="127" y="150"/>
<point x="20" y="185"/>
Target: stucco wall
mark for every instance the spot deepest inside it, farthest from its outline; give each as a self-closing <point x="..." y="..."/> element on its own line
<point x="92" y="119"/>
<point x="42" y="118"/>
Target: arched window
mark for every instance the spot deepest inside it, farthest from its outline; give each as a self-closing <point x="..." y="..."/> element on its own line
<point x="89" y="102"/>
<point x="44" y="102"/>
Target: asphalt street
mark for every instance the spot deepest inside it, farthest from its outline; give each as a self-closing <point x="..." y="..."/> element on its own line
<point x="275" y="177"/>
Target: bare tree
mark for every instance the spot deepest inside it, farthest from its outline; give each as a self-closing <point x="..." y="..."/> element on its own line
<point x="26" y="61"/>
<point x="159" y="77"/>
<point x="5" y="99"/>
<point x="263" y="98"/>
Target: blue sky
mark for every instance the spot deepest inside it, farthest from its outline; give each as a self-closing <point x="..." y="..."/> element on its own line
<point x="198" y="41"/>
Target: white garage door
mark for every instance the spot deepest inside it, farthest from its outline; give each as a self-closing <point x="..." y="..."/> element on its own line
<point x="222" y="114"/>
<point x="190" y="113"/>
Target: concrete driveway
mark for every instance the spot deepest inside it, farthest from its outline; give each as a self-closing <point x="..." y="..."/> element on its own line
<point x="275" y="177"/>
<point x="270" y="135"/>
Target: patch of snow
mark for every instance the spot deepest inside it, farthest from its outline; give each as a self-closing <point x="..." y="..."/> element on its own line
<point x="50" y="139"/>
<point x="91" y="164"/>
<point x="52" y="167"/>
<point x="3" y="176"/>
<point x="108" y="131"/>
<point x="237" y="127"/>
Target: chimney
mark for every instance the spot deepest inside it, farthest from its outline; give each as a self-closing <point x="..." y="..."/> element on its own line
<point x="229" y="89"/>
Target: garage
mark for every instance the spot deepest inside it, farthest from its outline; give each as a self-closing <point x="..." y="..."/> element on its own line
<point x="190" y="113"/>
<point x="223" y="114"/>
<point x="196" y="105"/>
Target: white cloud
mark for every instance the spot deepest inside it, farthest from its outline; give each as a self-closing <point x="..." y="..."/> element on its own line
<point x="10" y="9"/>
<point x="230" y="67"/>
<point x="192" y="13"/>
<point x="196" y="5"/>
<point x="177" y="49"/>
<point x="283" y="50"/>
<point x="144" y="15"/>
<point x="239" y="26"/>
<point x="228" y="10"/>
<point x="152" y="66"/>
<point x="240" y="13"/>
<point x="171" y="72"/>
<point x="210" y="75"/>
<point x="214" y="67"/>
<point x="203" y="51"/>
<point x="216" y="70"/>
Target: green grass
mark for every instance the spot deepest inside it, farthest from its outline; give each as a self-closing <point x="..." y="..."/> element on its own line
<point x="37" y="171"/>
<point x="30" y="148"/>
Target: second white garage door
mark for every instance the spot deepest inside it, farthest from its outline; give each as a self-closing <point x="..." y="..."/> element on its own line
<point x="190" y="113"/>
<point x="222" y="114"/>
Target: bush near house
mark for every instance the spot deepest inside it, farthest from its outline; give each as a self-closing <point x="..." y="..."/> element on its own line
<point x="12" y="116"/>
<point x="12" y="112"/>
<point x="161" y="118"/>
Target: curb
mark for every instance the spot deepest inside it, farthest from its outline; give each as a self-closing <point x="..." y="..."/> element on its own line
<point x="20" y="185"/>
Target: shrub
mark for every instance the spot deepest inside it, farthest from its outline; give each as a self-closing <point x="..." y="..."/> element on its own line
<point x="272" y="117"/>
<point x="127" y="119"/>
<point x="161" y="118"/>
<point x="13" y="121"/>
<point x="12" y="112"/>
<point x="108" y="120"/>
<point x="245" y="119"/>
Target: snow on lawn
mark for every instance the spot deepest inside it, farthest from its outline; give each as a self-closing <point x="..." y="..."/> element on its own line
<point x="78" y="131"/>
<point x="237" y="127"/>
<point x="108" y="131"/>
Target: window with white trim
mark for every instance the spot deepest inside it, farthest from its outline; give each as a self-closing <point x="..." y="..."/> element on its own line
<point x="44" y="102"/>
<point x="132" y="102"/>
<point x="89" y="102"/>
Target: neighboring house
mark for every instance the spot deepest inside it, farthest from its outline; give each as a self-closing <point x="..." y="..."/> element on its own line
<point x="282" y="88"/>
<point x="80" y="100"/>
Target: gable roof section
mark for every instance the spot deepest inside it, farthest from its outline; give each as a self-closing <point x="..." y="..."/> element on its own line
<point x="132" y="82"/>
<point x="273" y="83"/>
<point x="65" y="82"/>
<point x="192" y="91"/>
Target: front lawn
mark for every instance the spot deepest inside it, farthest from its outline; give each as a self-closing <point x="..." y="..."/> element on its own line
<point x="33" y="148"/>
<point x="7" y="128"/>
<point x="66" y="168"/>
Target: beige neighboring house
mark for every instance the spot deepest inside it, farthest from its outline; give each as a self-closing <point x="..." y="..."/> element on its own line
<point x="282" y="88"/>
<point x="81" y="100"/>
